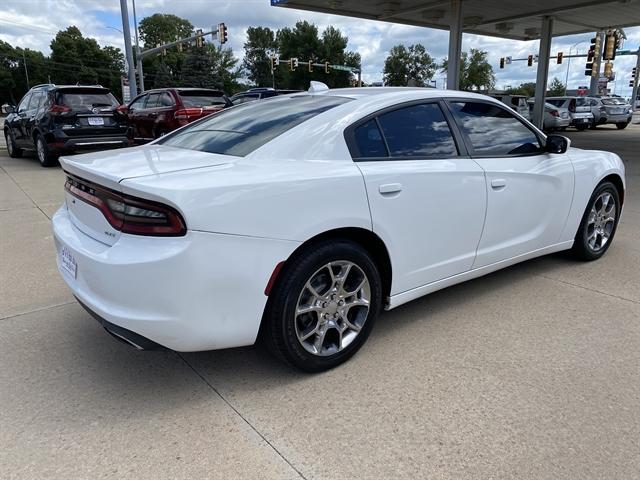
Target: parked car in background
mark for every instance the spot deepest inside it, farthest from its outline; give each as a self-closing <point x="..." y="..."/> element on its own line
<point x="615" y="109"/>
<point x="157" y="112"/>
<point x="55" y="119"/>
<point x="301" y="217"/>
<point x="555" y="118"/>
<point x="257" y="94"/>
<point x="579" y="109"/>
<point x="517" y="102"/>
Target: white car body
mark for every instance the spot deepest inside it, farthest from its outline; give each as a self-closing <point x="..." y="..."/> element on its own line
<point x="441" y="221"/>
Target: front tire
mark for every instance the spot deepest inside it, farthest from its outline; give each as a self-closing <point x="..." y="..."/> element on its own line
<point x="621" y="125"/>
<point x="323" y="306"/>
<point x="45" y="156"/>
<point x="12" y="149"/>
<point x="599" y="223"/>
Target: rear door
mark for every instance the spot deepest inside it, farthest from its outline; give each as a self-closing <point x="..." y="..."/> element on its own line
<point x="149" y="115"/>
<point x="18" y="124"/>
<point x="136" y="116"/>
<point x="529" y="191"/>
<point x="427" y="198"/>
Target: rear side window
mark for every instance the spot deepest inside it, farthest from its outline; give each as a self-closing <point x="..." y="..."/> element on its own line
<point x="242" y="129"/>
<point x="86" y="99"/>
<point x="369" y="142"/>
<point x="494" y="131"/>
<point x="418" y="131"/>
<point x="201" y="98"/>
<point x="166" y="100"/>
<point x="152" y="101"/>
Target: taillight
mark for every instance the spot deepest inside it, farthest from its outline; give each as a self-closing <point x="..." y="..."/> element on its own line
<point x="187" y="113"/>
<point x="126" y="213"/>
<point x="554" y="113"/>
<point x="57" y="109"/>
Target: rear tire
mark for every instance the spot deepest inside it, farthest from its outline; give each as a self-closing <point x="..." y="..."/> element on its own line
<point x="621" y="125"/>
<point x="44" y="154"/>
<point x="323" y="306"/>
<point x="580" y="128"/>
<point x="599" y="223"/>
<point x="12" y="149"/>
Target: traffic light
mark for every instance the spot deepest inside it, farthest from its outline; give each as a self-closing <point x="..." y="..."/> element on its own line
<point x="310" y="65"/>
<point x="634" y="72"/>
<point x="610" y="46"/>
<point x="608" y="69"/>
<point x="222" y="33"/>
<point x="275" y="61"/>
<point x="326" y="67"/>
<point x="588" y="69"/>
<point x="560" y="55"/>
<point x="293" y="64"/>
<point x="502" y="62"/>
<point x="530" y="60"/>
<point x="593" y="57"/>
<point x="199" y="39"/>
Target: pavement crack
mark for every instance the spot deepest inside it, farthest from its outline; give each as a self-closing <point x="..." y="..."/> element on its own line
<point x="591" y="289"/>
<point x="35" y="310"/>
<point x="24" y="191"/>
<point x="217" y="392"/>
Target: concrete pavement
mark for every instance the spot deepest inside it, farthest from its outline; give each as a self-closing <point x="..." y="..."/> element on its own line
<point x="531" y="372"/>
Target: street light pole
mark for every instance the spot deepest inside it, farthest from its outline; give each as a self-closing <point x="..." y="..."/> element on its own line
<point x="566" y="78"/>
<point x="127" y="48"/>
<point x="138" y="59"/>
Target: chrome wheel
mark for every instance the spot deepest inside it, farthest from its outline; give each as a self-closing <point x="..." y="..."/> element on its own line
<point x="40" y="150"/>
<point x="332" y="308"/>
<point x="601" y="221"/>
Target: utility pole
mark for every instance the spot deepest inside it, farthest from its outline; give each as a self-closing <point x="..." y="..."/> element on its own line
<point x="26" y="72"/>
<point x="138" y="59"/>
<point x="634" y="92"/>
<point x="127" y="48"/>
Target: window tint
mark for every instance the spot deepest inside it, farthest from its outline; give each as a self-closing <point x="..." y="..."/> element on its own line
<point x="152" y="101"/>
<point x="417" y="131"/>
<point x="241" y="130"/>
<point x="86" y="99"/>
<point x="493" y="130"/>
<point x="369" y="141"/>
<point x="166" y="100"/>
<point x="138" y="103"/>
<point x="202" y="98"/>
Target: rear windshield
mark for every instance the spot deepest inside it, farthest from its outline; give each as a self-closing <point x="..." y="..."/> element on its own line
<point x="613" y="101"/>
<point x="581" y="102"/>
<point x="242" y="129"/>
<point x="196" y="98"/>
<point x="556" y="102"/>
<point x="82" y="100"/>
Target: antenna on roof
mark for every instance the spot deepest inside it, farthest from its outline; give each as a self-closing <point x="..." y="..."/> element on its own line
<point x="316" y="87"/>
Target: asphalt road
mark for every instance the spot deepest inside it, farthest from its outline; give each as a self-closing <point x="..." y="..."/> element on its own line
<point x="529" y="373"/>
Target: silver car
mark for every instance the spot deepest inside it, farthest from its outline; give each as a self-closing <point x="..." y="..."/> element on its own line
<point x="579" y="109"/>
<point x="555" y="118"/>
<point x="616" y="110"/>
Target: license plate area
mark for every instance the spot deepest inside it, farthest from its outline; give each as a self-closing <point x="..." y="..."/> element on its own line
<point x="68" y="263"/>
<point x="95" y="121"/>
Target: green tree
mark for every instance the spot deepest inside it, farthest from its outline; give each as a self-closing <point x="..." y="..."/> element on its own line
<point x="259" y="47"/>
<point x="408" y="66"/>
<point x="475" y="71"/>
<point x="528" y="89"/>
<point x="556" y="88"/>
<point x="162" y="28"/>
<point x="210" y="67"/>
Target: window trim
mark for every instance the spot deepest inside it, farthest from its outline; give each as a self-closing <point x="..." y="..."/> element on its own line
<point x="349" y="134"/>
<point x="542" y="139"/>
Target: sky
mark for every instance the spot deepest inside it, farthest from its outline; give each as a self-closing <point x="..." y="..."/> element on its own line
<point x="33" y="23"/>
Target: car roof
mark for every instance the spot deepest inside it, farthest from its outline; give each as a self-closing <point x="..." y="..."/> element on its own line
<point x="398" y="93"/>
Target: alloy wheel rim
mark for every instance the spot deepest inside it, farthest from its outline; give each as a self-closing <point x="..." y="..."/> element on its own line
<point x="601" y="221"/>
<point x="40" y="148"/>
<point x="332" y="308"/>
<point x="9" y="144"/>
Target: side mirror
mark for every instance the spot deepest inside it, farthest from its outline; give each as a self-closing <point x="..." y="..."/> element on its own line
<point x="6" y="108"/>
<point x="557" y="144"/>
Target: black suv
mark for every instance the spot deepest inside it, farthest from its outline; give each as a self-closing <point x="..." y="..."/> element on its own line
<point x="55" y="119"/>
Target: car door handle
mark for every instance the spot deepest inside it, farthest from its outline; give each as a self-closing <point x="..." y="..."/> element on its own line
<point x="390" y="188"/>
<point x="498" y="183"/>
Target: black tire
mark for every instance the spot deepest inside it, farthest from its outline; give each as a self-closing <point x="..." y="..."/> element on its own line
<point x="581" y="248"/>
<point x="44" y="154"/>
<point x="582" y="127"/>
<point x="593" y="125"/>
<point x="621" y="125"/>
<point x="279" y="330"/>
<point x="12" y="149"/>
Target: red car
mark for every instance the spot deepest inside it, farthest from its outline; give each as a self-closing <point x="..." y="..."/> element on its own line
<point x="157" y="112"/>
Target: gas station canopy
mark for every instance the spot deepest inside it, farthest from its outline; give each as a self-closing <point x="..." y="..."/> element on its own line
<point x="517" y="20"/>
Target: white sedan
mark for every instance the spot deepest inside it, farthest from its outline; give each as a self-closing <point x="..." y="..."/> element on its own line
<point x="297" y="219"/>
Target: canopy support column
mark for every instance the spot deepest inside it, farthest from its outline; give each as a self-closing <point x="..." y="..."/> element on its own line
<point x="455" y="46"/>
<point x="543" y="70"/>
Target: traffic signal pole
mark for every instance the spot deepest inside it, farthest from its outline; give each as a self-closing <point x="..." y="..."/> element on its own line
<point x="127" y="48"/>
<point x="634" y="94"/>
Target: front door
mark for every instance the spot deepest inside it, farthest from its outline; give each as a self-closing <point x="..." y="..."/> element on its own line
<point x="529" y="191"/>
<point x="427" y="200"/>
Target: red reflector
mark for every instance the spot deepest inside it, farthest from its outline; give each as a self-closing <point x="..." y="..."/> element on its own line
<point x="59" y="109"/>
<point x="126" y="213"/>
<point x="187" y="113"/>
<point x="273" y="278"/>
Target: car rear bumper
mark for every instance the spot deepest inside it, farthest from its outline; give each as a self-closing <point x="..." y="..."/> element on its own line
<point x="202" y="291"/>
<point x="66" y="143"/>
<point x="619" y="118"/>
